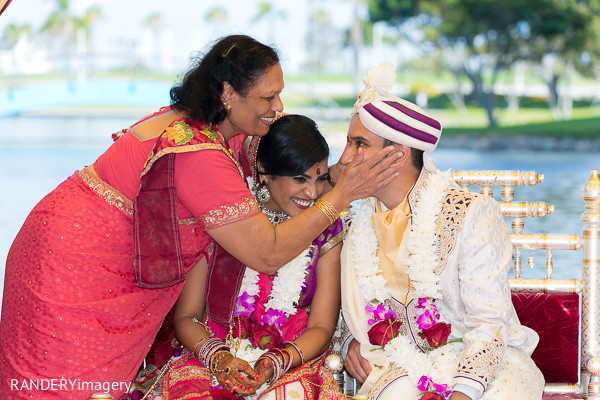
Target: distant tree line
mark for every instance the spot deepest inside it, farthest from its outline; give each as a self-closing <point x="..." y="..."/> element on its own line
<point x="481" y="38"/>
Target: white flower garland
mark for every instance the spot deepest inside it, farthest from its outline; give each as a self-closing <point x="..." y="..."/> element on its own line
<point x="420" y="243"/>
<point x="284" y="292"/>
<point x="439" y="363"/>
<point x="286" y="287"/>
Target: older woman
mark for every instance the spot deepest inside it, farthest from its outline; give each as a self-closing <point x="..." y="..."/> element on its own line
<point x="79" y="312"/>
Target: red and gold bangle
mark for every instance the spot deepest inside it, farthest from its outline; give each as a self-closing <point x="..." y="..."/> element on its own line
<point x="295" y="346"/>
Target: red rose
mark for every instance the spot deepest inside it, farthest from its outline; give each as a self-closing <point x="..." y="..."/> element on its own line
<point x="242" y="326"/>
<point x="382" y="332"/>
<point x="217" y="393"/>
<point x="266" y="337"/>
<point x="437" y="335"/>
<point x="432" y="396"/>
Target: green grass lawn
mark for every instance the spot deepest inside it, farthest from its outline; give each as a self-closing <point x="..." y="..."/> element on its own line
<point x="585" y="122"/>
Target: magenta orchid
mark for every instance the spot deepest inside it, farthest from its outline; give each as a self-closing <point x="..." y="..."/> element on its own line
<point x="427" y="385"/>
<point x="245" y="305"/>
<point x="427" y="312"/>
<point x="274" y="318"/>
<point x="379" y="312"/>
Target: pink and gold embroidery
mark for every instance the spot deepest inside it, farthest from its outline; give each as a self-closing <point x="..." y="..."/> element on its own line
<point x="107" y="192"/>
<point x="226" y="214"/>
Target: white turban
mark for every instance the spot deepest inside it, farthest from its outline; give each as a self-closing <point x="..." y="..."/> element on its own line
<point x="391" y="117"/>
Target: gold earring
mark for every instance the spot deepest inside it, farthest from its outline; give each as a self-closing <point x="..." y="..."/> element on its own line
<point x="227" y="106"/>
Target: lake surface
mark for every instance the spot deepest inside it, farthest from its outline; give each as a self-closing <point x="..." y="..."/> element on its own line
<point x="37" y="153"/>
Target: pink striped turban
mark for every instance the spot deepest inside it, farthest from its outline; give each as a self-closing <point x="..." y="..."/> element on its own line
<point x="394" y="118"/>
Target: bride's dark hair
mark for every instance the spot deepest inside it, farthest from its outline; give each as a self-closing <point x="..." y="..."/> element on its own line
<point x="292" y="145"/>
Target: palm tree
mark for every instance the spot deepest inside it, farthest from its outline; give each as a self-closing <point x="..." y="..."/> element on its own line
<point x="13" y="32"/>
<point x="155" y="23"/>
<point x="75" y="29"/>
<point x="217" y="14"/>
<point x="268" y="12"/>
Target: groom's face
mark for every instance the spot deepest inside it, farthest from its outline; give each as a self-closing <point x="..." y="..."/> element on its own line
<point x="360" y="137"/>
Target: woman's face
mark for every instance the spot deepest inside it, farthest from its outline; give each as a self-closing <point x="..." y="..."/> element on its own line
<point x="293" y="194"/>
<point x="254" y="112"/>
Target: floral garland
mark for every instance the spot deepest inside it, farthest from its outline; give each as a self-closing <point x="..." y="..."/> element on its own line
<point x="426" y="366"/>
<point x="281" y="303"/>
<point x="251" y="339"/>
<point x="285" y="290"/>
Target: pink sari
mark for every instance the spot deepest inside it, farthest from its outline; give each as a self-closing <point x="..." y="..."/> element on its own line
<point x="187" y="378"/>
<point x="75" y="320"/>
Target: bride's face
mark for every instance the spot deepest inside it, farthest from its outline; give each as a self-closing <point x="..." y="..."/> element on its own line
<point x="293" y="194"/>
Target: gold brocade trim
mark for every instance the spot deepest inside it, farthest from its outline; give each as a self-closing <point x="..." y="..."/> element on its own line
<point x="328" y="384"/>
<point x="111" y="195"/>
<point x="188" y="222"/>
<point x="187" y="149"/>
<point x="226" y="214"/>
<point x="482" y="366"/>
<point x="211" y="249"/>
<point x="450" y="222"/>
<point x="187" y="373"/>
<point x="297" y="373"/>
<point x="331" y="243"/>
<point x="385" y="380"/>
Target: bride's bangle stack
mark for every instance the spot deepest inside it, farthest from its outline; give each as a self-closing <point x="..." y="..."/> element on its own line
<point x="295" y="346"/>
<point x="328" y="209"/>
<point x="209" y="349"/>
<point x="280" y="364"/>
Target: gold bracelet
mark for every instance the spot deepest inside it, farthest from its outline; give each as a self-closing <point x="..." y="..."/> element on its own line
<point x="328" y="209"/>
<point x="218" y="358"/>
<point x="210" y="332"/>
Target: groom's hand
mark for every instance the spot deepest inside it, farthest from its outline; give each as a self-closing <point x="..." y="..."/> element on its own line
<point x="357" y="365"/>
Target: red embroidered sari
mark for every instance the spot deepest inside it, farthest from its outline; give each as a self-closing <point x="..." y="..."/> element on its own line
<point x="187" y="378"/>
<point x="76" y="317"/>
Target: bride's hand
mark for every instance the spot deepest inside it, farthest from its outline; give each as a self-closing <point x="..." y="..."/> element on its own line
<point x="236" y="375"/>
<point x="264" y="372"/>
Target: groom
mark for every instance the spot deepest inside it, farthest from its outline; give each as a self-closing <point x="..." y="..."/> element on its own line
<point x="425" y="291"/>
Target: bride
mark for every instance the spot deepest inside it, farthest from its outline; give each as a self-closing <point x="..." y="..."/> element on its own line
<point x="281" y="325"/>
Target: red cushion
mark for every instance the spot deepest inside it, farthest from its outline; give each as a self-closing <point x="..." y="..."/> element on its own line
<point x="555" y="317"/>
<point x="560" y="396"/>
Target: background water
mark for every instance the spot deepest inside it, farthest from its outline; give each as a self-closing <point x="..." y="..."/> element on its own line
<point x="37" y="153"/>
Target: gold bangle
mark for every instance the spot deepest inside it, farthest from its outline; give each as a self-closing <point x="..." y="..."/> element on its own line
<point x="328" y="209"/>
<point x="291" y="360"/>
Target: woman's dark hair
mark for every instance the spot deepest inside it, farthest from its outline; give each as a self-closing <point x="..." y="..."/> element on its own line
<point x="237" y="59"/>
<point x="292" y="145"/>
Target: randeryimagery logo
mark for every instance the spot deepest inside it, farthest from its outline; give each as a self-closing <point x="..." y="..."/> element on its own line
<point x="64" y="384"/>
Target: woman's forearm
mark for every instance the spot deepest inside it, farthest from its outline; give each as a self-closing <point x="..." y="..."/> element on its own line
<point x="311" y="343"/>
